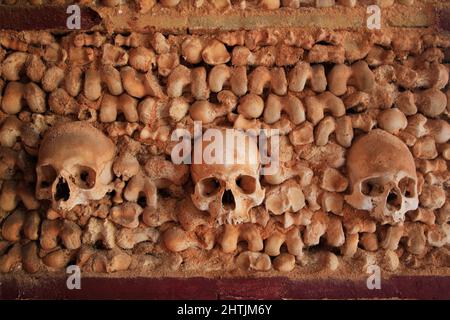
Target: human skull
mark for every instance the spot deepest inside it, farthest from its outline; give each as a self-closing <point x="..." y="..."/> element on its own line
<point x="383" y="177"/>
<point x="228" y="189"/>
<point x="74" y="165"/>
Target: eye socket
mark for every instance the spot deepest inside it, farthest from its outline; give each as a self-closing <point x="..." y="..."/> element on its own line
<point x="209" y="186"/>
<point x="48" y="176"/>
<point x="407" y="187"/>
<point x="371" y="188"/>
<point x="85" y="177"/>
<point x="247" y="184"/>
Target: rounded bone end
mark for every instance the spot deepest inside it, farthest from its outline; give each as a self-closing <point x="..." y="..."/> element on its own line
<point x="126" y="215"/>
<point x="331" y="261"/>
<point x="215" y="53"/>
<point x="392" y="120"/>
<point x="169" y="3"/>
<point x="254" y="261"/>
<point x="251" y="106"/>
<point x="58" y="259"/>
<point x="284" y="262"/>
<point x="11" y="260"/>
<point x="390" y="260"/>
<point x="191" y="50"/>
<point x="118" y="261"/>
<point x="270" y="4"/>
<point x="176" y="240"/>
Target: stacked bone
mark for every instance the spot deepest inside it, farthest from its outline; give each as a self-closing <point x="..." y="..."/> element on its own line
<point x="144" y="6"/>
<point x="133" y="209"/>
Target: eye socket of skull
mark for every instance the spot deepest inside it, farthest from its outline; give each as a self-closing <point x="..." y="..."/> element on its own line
<point x="247" y="184"/>
<point x="209" y="186"/>
<point x="85" y="177"/>
<point x="407" y="187"/>
<point x="372" y="187"/>
<point x="48" y="176"/>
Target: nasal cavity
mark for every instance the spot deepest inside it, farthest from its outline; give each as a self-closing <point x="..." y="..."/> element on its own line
<point x="394" y="201"/>
<point x="228" y="201"/>
<point x="62" y="190"/>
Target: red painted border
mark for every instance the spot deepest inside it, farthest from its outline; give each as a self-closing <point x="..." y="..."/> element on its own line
<point x="404" y="287"/>
<point x="443" y="19"/>
<point x="43" y="18"/>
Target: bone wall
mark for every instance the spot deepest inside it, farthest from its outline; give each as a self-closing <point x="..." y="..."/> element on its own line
<point x="323" y="90"/>
<point x="143" y="6"/>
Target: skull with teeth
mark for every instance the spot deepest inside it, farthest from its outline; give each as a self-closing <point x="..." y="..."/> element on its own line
<point x="74" y="165"/>
<point x="383" y="177"/>
<point x="229" y="186"/>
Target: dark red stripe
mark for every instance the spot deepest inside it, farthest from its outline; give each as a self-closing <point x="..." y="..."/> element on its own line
<point x="406" y="287"/>
<point x="43" y="18"/>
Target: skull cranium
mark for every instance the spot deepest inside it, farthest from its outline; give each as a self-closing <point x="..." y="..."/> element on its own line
<point x="228" y="190"/>
<point x="383" y="177"/>
<point x="74" y="165"/>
